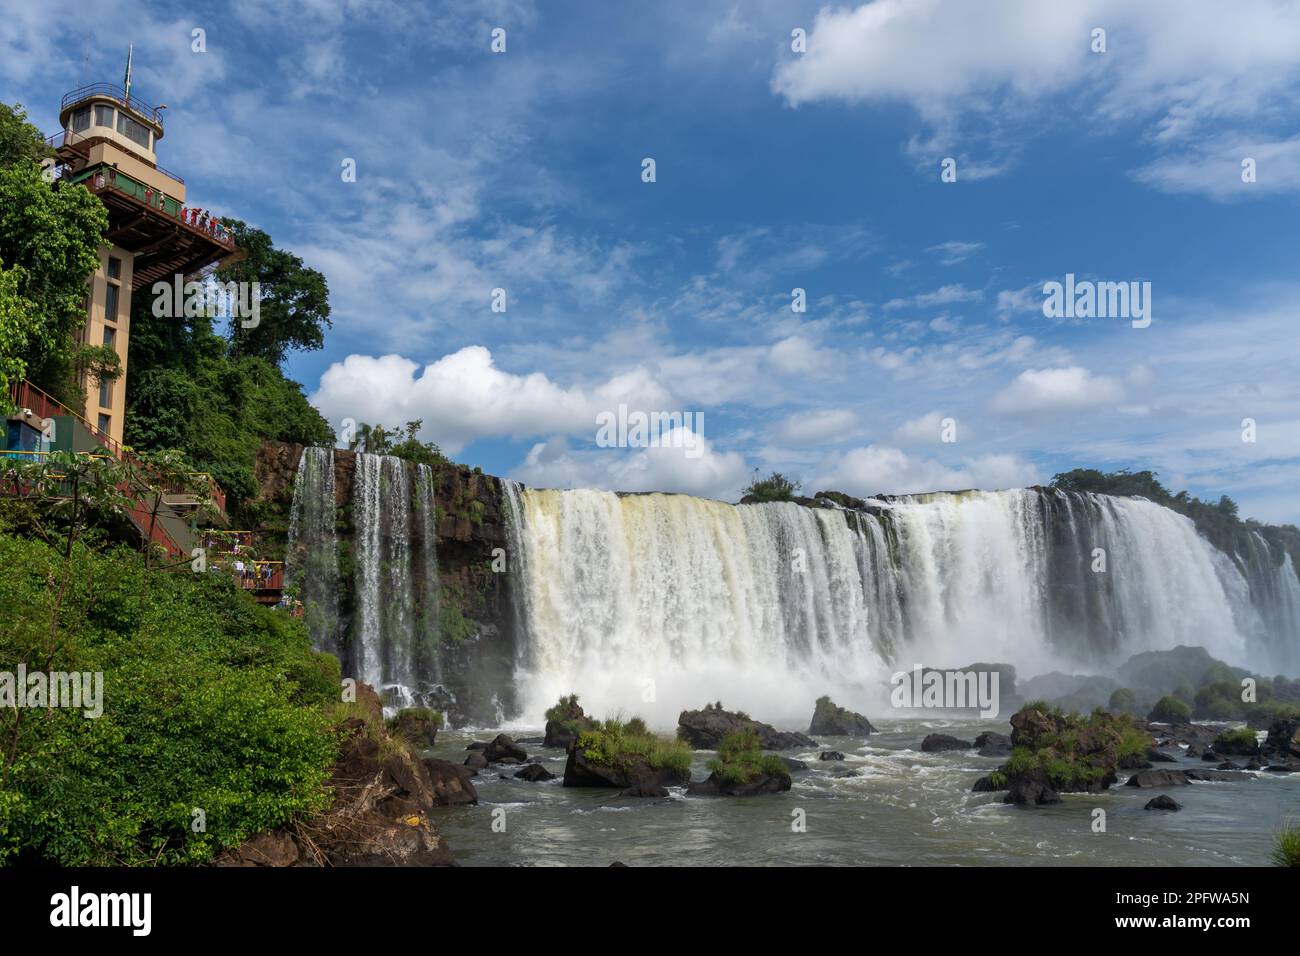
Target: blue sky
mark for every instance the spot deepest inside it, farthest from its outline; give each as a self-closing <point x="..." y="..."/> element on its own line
<point x="775" y="170"/>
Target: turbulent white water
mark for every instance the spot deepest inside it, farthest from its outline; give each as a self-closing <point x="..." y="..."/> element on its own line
<point x="658" y="602"/>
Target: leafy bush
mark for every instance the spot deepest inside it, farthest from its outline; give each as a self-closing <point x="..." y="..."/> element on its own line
<point x="1170" y="710"/>
<point x="775" y="487"/>
<point x="1123" y="699"/>
<point x="211" y="702"/>
<point x="741" y="759"/>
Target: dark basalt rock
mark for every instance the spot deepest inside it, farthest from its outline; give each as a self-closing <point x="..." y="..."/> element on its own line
<point x="1193" y="751"/>
<point x="990" y="744"/>
<point x="530" y="740"/>
<point x="1215" y="776"/>
<point x="716" y="786"/>
<point x="1163" y="802"/>
<point x="830" y="755"/>
<point x="934" y="743"/>
<point x="628" y="771"/>
<point x="1159" y="756"/>
<point x="645" y="790"/>
<point x="478" y="745"/>
<point x="1031" y="789"/>
<point x="1227" y="765"/>
<point x="830" y="720"/>
<point x="984" y="785"/>
<point x="563" y="731"/>
<point x="1209" y="756"/>
<point x="1134" y="762"/>
<point x="1287" y="766"/>
<point x="1283" y="741"/>
<point x="476" y="761"/>
<point x="503" y="748"/>
<point x="533" y="773"/>
<point x="1158" y="778"/>
<point x="793" y="765"/>
<point x="704" y="730"/>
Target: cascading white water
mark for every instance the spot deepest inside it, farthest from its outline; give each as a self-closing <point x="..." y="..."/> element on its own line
<point x="312" y="561"/>
<point x="394" y="586"/>
<point x="659" y="602"/>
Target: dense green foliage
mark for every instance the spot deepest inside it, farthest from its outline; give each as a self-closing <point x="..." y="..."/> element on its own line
<point x="1170" y="710"/>
<point x="53" y="233"/>
<point x="401" y="443"/>
<point x="614" y="741"/>
<point x="20" y="141"/>
<point x="775" y="487"/>
<point x="741" y="759"/>
<point x="188" y="390"/>
<point x="210" y="702"/>
<point x="294" y="305"/>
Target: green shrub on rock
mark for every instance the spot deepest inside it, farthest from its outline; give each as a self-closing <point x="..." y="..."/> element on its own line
<point x="1170" y="710"/>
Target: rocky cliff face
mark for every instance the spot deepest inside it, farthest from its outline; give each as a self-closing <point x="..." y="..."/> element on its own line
<point x="476" y="654"/>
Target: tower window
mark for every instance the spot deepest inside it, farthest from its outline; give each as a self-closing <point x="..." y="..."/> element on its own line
<point x="104" y="422"/>
<point x="104" y="116"/>
<point x="81" y="119"/>
<point x="114" y="267"/>
<point x="105" y="394"/>
<point x="110" y="303"/>
<point x="110" y="336"/>
<point x="136" y="132"/>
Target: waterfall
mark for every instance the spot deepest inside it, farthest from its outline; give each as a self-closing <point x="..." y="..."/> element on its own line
<point x="672" y="601"/>
<point x="393" y="591"/>
<point x="312" y="562"/>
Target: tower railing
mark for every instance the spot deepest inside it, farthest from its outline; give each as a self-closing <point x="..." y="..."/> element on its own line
<point x="115" y="93"/>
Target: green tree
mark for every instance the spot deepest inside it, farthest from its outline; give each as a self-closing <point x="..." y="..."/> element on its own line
<point x="775" y="487"/>
<point x="15" y="320"/>
<point x="54" y="233"/>
<point x="20" y="141"/>
<point x="294" y="309"/>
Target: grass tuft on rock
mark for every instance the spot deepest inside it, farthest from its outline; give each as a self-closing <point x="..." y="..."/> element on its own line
<point x="614" y="740"/>
<point x="741" y="759"/>
<point x="1286" y="845"/>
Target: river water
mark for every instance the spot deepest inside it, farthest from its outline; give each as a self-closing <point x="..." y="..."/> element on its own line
<point x="886" y="804"/>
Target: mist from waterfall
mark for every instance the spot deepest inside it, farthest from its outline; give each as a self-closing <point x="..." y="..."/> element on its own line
<point x="651" y="603"/>
<point x="390" y="640"/>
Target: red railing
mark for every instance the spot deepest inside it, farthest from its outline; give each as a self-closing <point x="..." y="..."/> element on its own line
<point x="26" y="395"/>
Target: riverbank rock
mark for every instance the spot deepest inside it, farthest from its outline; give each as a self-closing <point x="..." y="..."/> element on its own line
<point x="934" y="743"/>
<point x="419" y="725"/>
<point x="830" y="720"/>
<point x="1180" y="778"/>
<point x="704" y="730"/>
<point x="793" y="765"/>
<point x="992" y="744"/>
<point x="476" y="761"/>
<point x="379" y="815"/>
<point x="451" y="783"/>
<point x="830" y="755"/>
<point x="1163" y="802"/>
